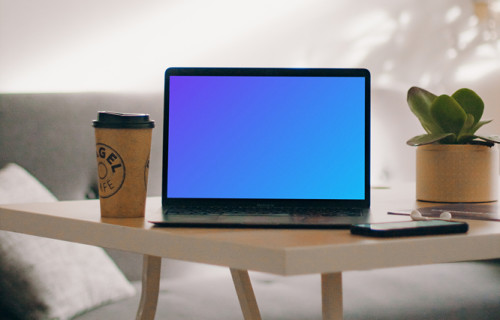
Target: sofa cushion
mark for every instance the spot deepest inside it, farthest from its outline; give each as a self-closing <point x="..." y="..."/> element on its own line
<point x="19" y="298"/>
<point x="51" y="136"/>
<point x="67" y="278"/>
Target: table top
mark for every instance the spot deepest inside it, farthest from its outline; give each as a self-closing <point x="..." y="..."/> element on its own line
<point x="278" y="251"/>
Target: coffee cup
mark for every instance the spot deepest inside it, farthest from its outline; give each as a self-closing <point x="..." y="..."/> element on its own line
<point x="123" y="146"/>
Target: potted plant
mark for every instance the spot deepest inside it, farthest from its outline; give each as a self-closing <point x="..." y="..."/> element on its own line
<point x="454" y="164"/>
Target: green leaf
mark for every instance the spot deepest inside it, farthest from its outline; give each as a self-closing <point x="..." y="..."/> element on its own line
<point x="429" y="138"/>
<point x="467" y="132"/>
<point x="470" y="102"/>
<point x="492" y="139"/>
<point x="420" y="101"/>
<point x="448" y="114"/>
<point x="468" y="125"/>
<point x="480" y="124"/>
<point x="466" y="138"/>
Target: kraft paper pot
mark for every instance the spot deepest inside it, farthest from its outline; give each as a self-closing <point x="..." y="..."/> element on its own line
<point x="122" y="168"/>
<point x="457" y="173"/>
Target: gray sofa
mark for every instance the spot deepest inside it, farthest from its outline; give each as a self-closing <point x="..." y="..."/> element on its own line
<point x="50" y="135"/>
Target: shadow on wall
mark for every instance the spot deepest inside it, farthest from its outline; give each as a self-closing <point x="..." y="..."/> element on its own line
<point x="441" y="47"/>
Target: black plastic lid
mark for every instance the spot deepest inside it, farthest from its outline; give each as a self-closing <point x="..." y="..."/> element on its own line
<point x="117" y="120"/>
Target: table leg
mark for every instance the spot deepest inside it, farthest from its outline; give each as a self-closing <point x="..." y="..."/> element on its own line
<point x="245" y="293"/>
<point x="331" y="292"/>
<point x="151" y="268"/>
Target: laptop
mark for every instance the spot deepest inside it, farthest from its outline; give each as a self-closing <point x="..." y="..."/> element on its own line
<point x="266" y="148"/>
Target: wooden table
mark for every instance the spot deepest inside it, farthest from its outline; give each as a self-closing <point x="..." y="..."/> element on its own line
<point x="280" y="252"/>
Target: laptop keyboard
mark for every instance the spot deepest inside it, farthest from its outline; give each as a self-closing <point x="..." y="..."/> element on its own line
<point x="300" y="211"/>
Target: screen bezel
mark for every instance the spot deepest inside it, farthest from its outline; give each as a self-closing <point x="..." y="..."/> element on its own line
<point x="271" y="72"/>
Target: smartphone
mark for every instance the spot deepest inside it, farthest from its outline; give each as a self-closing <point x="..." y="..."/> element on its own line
<point x="409" y="228"/>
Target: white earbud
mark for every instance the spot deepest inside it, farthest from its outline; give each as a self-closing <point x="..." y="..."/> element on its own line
<point x="417" y="216"/>
<point x="445" y="215"/>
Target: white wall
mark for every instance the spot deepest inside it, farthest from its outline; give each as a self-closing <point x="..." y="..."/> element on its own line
<point x="111" y="45"/>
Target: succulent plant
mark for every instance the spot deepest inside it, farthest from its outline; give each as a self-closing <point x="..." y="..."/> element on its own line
<point x="448" y="119"/>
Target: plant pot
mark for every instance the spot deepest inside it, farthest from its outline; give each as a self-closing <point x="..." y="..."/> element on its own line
<point x="457" y="173"/>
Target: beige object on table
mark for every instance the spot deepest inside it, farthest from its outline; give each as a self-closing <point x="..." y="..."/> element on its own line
<point x="123" y="145"/>
<point x="457" y="173"/>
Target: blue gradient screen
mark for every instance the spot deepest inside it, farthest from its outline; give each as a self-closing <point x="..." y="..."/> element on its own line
<point x="252" y="137"/>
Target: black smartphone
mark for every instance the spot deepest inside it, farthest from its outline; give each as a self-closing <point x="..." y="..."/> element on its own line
<point x="409" y="228"/>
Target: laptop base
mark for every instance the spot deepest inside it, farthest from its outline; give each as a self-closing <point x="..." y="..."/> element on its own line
<point x="272" y="221"/>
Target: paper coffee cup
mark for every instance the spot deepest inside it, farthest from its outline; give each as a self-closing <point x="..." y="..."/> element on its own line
<point x="123" y="145"/>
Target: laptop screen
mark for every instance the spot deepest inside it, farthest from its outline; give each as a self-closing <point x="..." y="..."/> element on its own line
<point x="278" y="136"/>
